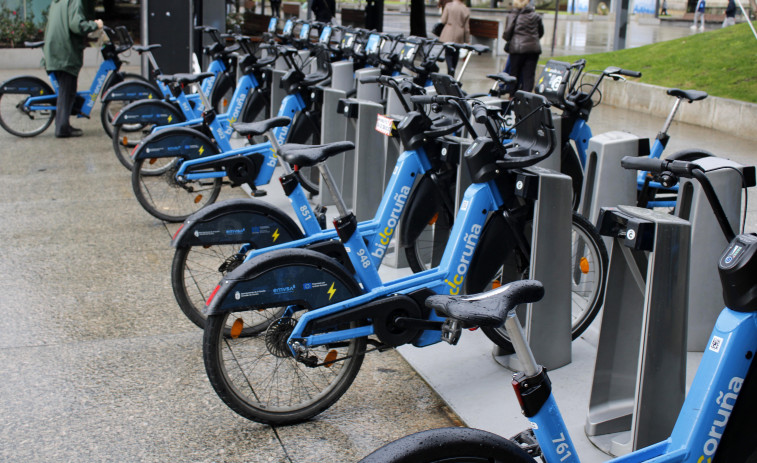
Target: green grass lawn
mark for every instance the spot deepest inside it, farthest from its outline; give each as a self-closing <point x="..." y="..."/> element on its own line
<point x="722" y="62"/>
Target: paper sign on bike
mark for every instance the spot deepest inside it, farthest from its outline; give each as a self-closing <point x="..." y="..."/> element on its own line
<point x="384" y="125"/>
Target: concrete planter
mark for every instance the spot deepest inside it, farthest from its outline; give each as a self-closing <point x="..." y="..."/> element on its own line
<point x="721" y="114"/>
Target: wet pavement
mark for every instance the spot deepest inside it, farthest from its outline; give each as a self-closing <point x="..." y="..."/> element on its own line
<point x="97" y="362"/>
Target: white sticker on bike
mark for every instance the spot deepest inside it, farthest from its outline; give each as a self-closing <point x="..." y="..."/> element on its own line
<point x="716" y="343"/>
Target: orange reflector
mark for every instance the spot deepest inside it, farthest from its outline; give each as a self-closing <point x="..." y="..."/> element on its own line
<point x="225" y="102"/>
<point x="329" y="360"/>
<point x="125" y="141"/>
<point x="236" y="328"/>
<point x="584" y="263"/>
<point x="152" y="161"/>
<point x="434" y="219"/>
<point x="198" y="198"/>
<point x="496" y="284"/>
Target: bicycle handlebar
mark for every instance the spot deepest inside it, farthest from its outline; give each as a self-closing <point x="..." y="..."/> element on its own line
<point x="670" y="169"/>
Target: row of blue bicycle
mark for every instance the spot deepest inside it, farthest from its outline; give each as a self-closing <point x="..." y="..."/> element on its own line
<point x="290" y="307"/>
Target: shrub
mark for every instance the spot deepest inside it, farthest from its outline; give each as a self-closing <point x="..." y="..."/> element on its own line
<point x="15" y="30"/>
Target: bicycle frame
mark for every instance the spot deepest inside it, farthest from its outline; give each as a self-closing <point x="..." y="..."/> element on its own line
<point x="445" y="279"/>
<point x="706" y="409"/>
<point x="42" y="103"/>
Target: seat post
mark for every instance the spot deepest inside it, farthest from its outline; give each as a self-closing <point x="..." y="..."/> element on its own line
<point x="522" y="349"/>
<point x="328" y="179"/>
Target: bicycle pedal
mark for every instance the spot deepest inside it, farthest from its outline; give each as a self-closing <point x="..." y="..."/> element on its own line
<point x="320" y="215"/>
<point x="258" y="193"/>
<point x="451" y="331"/>
<point x="526" y="440"/>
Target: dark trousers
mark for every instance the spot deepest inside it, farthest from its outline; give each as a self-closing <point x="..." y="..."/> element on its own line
<point x="452" y="59"/>
<point x="523" y="67"/>
<point x="66" y="95"/>
<point x="275" y="8"/>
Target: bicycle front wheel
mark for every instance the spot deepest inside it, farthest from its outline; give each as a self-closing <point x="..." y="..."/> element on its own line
<point x="125" y="139"/>
<point x="588" y="276"/>
<point x="19" y="120"/>
<point x="257" y="376"/>
<point x="196" y="271"/>
<point x="164" y="196"/>
<point x="450" y="445"/>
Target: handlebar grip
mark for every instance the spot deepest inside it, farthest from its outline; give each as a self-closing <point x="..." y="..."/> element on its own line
<point x="424" y="99"/>
<point x="480" y="114"/>
<point x="643" y="163"/>
<point x="626" y="72"/>
<point x="680" y="168"/>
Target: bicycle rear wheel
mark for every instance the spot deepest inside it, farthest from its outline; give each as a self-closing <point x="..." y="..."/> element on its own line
<point x="257" y="376"/>
<point x="588" y="277"/>
<point x="164" y="196"/>
<point x="19" y="120"/>
<point x="448" y="445"/>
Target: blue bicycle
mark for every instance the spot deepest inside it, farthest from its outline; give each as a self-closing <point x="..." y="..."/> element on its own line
<point x="287" y="330"/>
<point x="716" y="422"/>
<point x="27" y="103"/>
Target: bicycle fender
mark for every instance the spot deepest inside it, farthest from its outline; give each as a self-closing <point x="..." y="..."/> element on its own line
<point x="237" y="221"/>
<point x="148" y="112"/>
<point x="420" y="209"/>
<point x="281" y="278"/>
<point x="26" y="85"/>
<point x="180" y="142"/>
<point x="132" y="90"/>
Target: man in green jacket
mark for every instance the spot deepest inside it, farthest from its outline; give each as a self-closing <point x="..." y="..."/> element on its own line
<point x="65" y="40"/>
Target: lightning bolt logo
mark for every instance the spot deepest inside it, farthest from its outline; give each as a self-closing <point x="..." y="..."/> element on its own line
<point x="331" y="291"/>
<point x="169" y="118"/>
<point x="275" y="235"/>
<point x="149" y="97"/>
<point x="202" y="148"/>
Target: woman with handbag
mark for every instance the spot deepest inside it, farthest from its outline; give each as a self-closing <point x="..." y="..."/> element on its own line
<point x="522" y="34"/>
<point x="456" y="20"/>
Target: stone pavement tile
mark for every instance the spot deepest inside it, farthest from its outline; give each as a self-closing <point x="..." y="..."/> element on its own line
<point x="139" y="399"/>
<point x="386" y="401"/>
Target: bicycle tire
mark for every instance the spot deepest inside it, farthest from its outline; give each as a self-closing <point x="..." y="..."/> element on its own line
<point x="195" y="272"/>
<point x="584" y="274"/>
<point x="163" y="196"/>
<point x="426" y="251"/>
<point x="12" y="116"/>
<point x="124" y="144"/>
<point x="221" y="93"/>
<point x="257" y="376"/>
<point x="106" y="112"/>
<point x="448" y="445"/>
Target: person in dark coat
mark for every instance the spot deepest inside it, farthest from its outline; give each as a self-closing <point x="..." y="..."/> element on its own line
<point x="65" y="40"/>
<point x="523" y="31"/>
<point x="730" y="14"/>
<point x="323" y="10"/>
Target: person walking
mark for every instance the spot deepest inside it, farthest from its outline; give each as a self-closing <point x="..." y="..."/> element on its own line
<point x="65" y="40"/>
<point x="456" y="20"/>
<point x="275" y="5"/>
<point x="522" y="34"/>
<point x="699" y="15"/>
<point x="664" y="10"/>
<point x="730" y="14"/>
